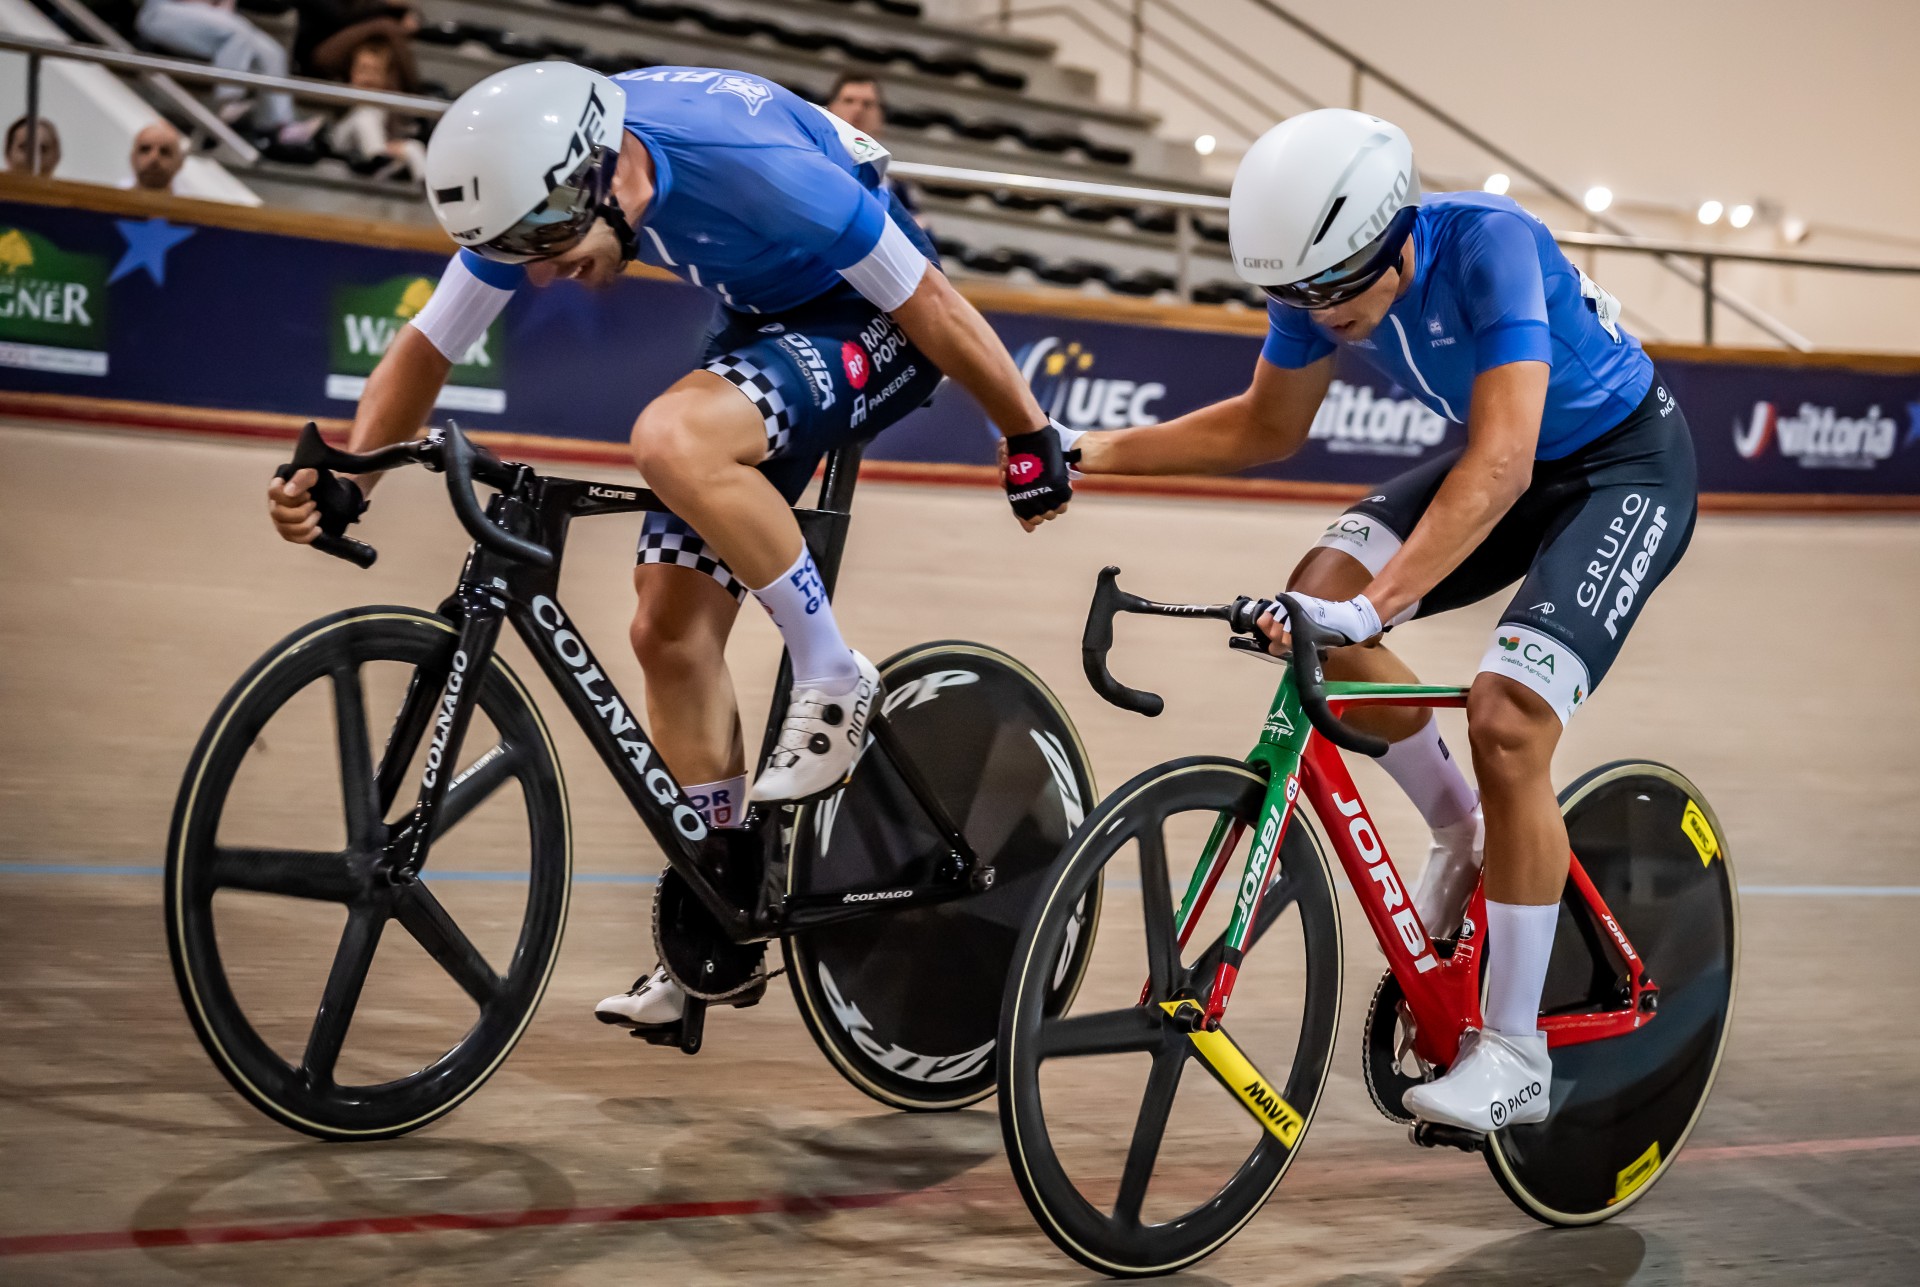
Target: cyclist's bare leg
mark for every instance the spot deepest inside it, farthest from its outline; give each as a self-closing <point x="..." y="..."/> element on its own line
<point x="697" y="445"/>
<point x="1513" y="733"/>
<point x="1327" y="573"/>
<point x="679" y="633"/>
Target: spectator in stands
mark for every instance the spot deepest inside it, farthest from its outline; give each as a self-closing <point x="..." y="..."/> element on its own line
<point x="858" y="100"/>
<point x="330" y="32"/>
<point x="158" y="154"/>
<point x="369" y="137"/>
<point x="210" y="29"/>
<point x="17" y="158"/>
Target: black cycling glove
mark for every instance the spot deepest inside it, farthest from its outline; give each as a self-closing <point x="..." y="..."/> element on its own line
<point x="1037" y="477"/>
<point x="339" y="501"/>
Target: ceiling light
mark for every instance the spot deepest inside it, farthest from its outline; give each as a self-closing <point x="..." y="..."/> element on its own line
<point x="1205" y="144"/>
<point x="1740" y="216"/>
<point x="1598" y="199"/>
<point x="1794" y="229"/>
<point x="1497" y="184"/>
<point x="1710" y="212"/>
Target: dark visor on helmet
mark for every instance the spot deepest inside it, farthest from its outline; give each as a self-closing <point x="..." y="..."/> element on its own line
<point x="1353" y="275"/>
<point x="558" y="223"/>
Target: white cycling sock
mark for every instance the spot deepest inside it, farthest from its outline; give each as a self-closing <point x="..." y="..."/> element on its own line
<point x="1520" y="939"/>
<point x="797" y="602"/>
<point x="722" y="804"/>
<point x="1430" y="776"/>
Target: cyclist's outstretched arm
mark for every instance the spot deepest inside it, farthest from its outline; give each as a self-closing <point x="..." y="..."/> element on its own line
<point x="949" y="330"/>
<point x="1503" y="429"/>
<point x="399" y="394"/>
<point x="1268" y="422"/>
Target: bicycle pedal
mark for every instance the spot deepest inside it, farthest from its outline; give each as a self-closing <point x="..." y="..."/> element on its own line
<point x="1440" y="1135"/>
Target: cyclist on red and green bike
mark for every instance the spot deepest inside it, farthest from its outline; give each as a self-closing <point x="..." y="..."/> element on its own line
<point x="1577" y="480"/>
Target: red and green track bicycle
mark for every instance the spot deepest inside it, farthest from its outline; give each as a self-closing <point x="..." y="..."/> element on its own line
<point x="1636" y="1007"/>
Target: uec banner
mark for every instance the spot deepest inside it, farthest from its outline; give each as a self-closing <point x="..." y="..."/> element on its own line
<point x="199" y="316"/>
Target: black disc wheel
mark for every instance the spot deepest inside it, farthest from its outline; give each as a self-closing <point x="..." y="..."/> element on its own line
<point x="906" y="1003"/>
<point x="1623" y="1106"/>
<point x="1140" y="1144"/>
<point x="338" y="999"/>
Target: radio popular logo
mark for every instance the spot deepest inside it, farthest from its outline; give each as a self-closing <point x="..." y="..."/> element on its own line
<point x="1061" y="380"/>
<point x="53" y="306"/>
<point x="1818" y="437"/>
<point x="367" y="318"/>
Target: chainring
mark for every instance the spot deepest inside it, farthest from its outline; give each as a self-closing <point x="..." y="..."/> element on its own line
<point x="1388" y="1049"/>
<point x="695" y="949"/>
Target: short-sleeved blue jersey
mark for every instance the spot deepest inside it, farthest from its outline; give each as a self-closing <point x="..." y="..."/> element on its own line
<point x="756" y="196"/>
<point x="1490" y="287"/>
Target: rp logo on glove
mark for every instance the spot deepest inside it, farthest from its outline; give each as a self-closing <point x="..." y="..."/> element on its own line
<point x="1022" y="470"/>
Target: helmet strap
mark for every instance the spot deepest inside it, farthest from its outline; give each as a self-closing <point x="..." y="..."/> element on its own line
<point x="617" y="221"/>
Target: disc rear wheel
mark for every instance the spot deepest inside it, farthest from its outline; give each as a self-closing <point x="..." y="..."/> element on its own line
<point x="1622" y="1107"/>
<point x="906" y="1003"/>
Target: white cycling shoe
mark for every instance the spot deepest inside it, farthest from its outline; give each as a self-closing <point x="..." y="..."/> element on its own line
<point x="1453" y="868"/>
<point x="1497" y="1080"/>
<point x="820" y="740"/>
<point x="654" y="1001"/>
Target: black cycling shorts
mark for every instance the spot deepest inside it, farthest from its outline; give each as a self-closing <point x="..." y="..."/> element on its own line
<point x="831" y="372"/>
<point x="1588" y="541"/>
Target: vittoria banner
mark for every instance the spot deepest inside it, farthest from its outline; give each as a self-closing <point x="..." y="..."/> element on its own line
<point x="202" y="316"/>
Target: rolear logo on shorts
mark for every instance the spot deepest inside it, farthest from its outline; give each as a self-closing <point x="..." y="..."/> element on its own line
<point x="1353" y="419"/>
<point x="1059" y="375"/>
<point x="1818" y="437"/>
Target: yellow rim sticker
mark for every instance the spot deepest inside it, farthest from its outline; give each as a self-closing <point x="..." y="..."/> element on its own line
<point x="1694" y="823"/>
<point x="1244" y="1080"/>
<point x="1637" y="1172"/>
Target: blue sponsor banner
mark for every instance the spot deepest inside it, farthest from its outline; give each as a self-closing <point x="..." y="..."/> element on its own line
<point x="200" y="316"/>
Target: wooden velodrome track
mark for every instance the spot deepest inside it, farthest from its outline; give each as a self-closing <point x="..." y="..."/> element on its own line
<point x="140" y="579"/>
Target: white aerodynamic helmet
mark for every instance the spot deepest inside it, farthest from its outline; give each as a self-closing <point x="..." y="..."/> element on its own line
<point x="1321" y="205"/>
<point x="519" y="166"/>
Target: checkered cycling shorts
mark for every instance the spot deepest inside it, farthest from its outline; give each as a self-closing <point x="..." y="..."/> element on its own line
<point x="665" y="539"/>
<point x="761" y="391"/>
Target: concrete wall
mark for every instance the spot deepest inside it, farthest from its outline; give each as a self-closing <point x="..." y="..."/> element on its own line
<point x="1809" y="111"/>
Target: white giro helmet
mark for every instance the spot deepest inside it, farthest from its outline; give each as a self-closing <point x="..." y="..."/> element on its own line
<point x="1321" y="205"/>
<point x="519" y="166"/>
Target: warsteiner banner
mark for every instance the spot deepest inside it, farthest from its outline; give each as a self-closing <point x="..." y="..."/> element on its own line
<point x="202" y="316"/>
<point x="53" y="306"/>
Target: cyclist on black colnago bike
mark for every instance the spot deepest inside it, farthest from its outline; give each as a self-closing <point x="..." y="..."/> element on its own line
<point x="833" y="322"/>
<point x="1577" y="480"/>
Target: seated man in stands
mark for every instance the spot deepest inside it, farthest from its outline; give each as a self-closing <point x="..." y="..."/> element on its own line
<point x="158" y="154"/>
<point x="18" y="159"/>
<point x="210" y="29"/>
<point x="858" y="100"/>
<point x="832" y="323"/>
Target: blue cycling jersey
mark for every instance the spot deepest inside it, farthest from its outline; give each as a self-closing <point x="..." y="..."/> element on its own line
<point x="756" y="198"/>
<point x="1490" y="287"/>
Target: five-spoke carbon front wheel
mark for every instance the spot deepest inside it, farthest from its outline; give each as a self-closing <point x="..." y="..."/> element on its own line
<point x="1147" y="1182"/>
<point x="339" y="1000"/>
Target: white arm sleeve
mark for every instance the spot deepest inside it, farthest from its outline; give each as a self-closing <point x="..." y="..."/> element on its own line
<point x="461" y="310"/>
<point x="889" y="273"/>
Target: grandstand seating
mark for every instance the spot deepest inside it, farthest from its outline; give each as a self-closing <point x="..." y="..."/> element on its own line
<point x="957" y="97"/>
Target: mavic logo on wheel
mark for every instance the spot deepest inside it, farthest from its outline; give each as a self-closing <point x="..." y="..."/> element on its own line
<point x="1392" y="898"/>
<point x="686" y="819"/>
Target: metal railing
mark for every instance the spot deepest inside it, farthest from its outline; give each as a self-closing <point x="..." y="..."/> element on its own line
<point x="1183" y="205"/>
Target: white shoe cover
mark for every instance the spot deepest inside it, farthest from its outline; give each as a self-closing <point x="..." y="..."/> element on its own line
<point x="651" y="1002"/>
<point x="1497" y="1080"/>
<point x="1453" y="866"/>
<point x="819" y="741"/>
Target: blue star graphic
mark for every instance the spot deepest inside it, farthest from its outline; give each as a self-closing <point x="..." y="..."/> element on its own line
<point x="147" y="245"/>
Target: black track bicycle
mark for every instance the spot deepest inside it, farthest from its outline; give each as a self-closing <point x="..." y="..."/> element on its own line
<point x="897" y="901"/>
